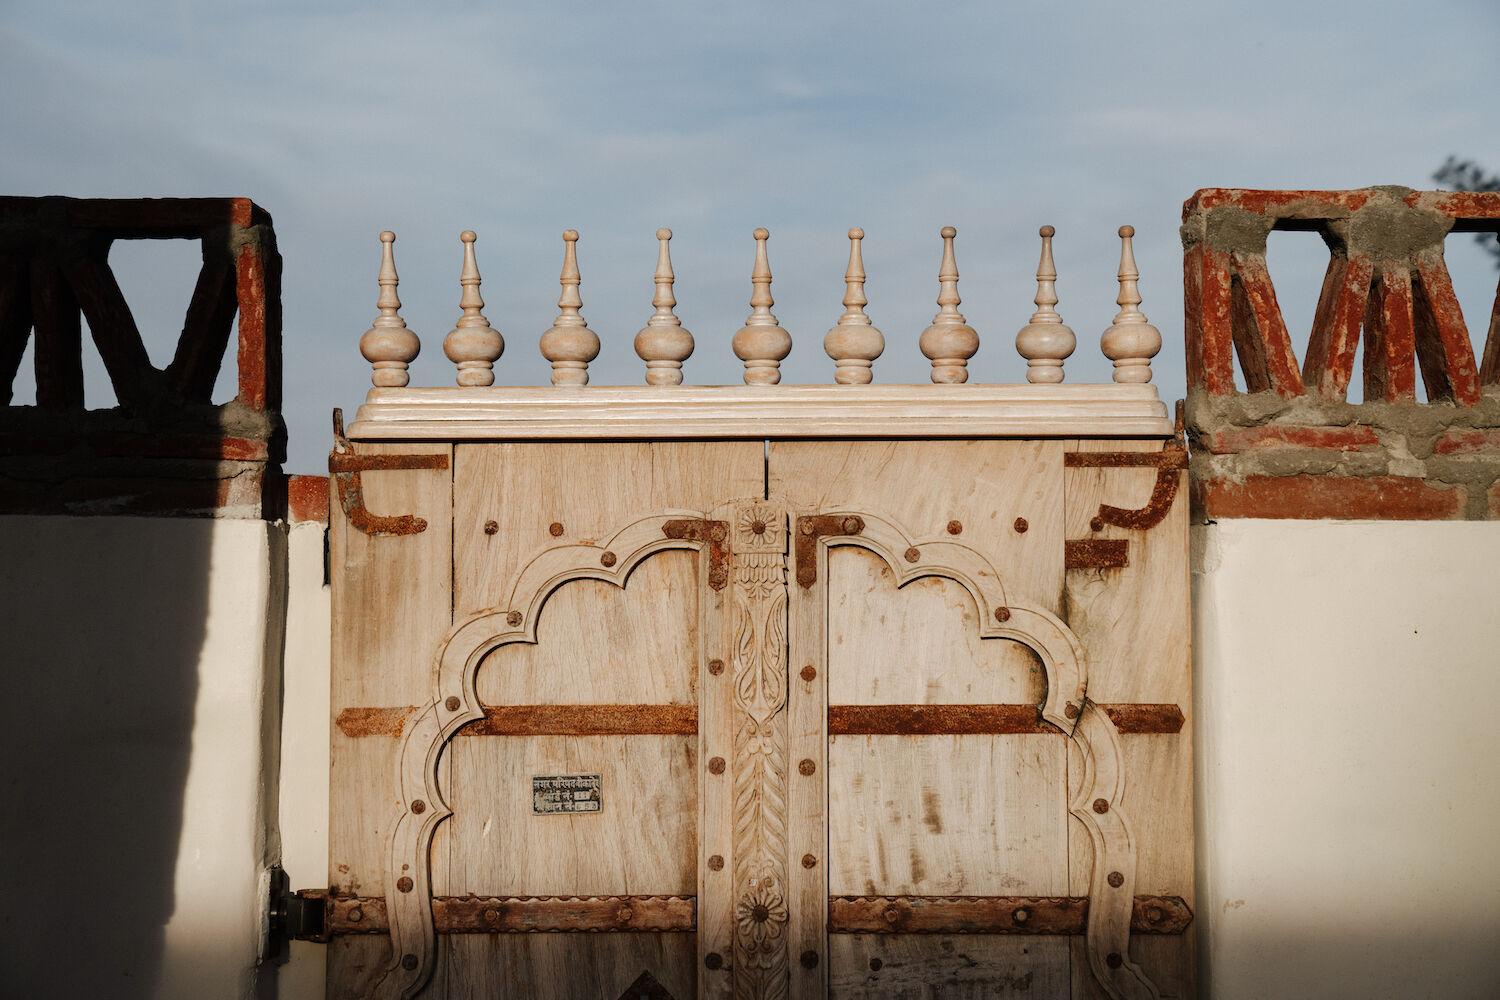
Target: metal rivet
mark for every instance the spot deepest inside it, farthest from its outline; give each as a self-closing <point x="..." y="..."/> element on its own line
<point x="490" y="527"/>
<point x="491" y="914"/>
<point x="1097" y="524"/>
<point x="1113" y="960"/>
<point x="808" y="861"/>
<point x="623" y="914"/>
<point x="452" y="703"/>
<point x="1021" y="915"/>
<point x="355" y="914"/>
<point x="1071" y="710"/>
<point x="716" y="863"/>
<point x="852" y="525"/>
<point x="713" y="961"/>
<point x="608" y="559"/>
<point x="1021" y="525"/>
<point x="513" y="619"/>
<point x="404" y="884"/>
<point x="555" y="529"/>
<point x="875" y="964"/>
<point x="1101" y="806"/>
<point x="1115" y="878"/>
<point x="1002" y="614"/>
<point x="718" y="533"/>
<point x="807" y="528"/>
<point x="913" y="554"/>
<point x="418" y="807"/>
<point x="806" y="767"/>
<point x="409" y="962"/>
<point x="809" y="960"/>
<point x="809" y="673"/>
<point x="716" y="667"/>
<point x="758" y="527"/>
<point x="891" y="916"/>
<point x="716" y="765"/>
<point x="955" y="527"/>
<point x="1154" y="914"/>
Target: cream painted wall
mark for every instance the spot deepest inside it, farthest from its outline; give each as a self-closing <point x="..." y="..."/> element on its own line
<point x="142" y="689"/>
<point x="1348" y="677"/>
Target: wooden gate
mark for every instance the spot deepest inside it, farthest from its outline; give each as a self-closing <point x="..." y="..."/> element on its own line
<point x="821" y="717"/>
<point x="849" y="691"/>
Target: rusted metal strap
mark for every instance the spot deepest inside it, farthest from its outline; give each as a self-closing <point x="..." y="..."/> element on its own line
<point x="994" y="915"/>
<point x="345" y="468"/>
<point x="809" y="528"/>
<point x="935" y="720"/>
<point x="519" y="914"/>
<point x="998" y="720"/>
<point x="1168" y="463"/>
<point x="716" y="535"/>
<point x="585" y="720"/>
<point x="1145" y="718"/>
<point x="538" y="720"/>
<point x="1095" y="553"/>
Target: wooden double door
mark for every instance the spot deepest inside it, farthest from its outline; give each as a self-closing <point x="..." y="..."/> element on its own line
<point x="750" y="719"/>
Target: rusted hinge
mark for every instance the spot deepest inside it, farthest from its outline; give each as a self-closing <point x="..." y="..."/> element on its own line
<point x="809" y="528"/>
<point x="1095" y="553"/>
<point x="345" y="466"/>
<point x="716" y="534"/>
<point x="294" y="916"/>
<point x="1168" y="463"/>
<point x="994" y="915"/>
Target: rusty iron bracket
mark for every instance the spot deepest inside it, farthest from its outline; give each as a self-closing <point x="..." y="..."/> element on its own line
<point x="1052" y="915"/>
<point x="1095" y="553"/>
<point x="812" y="526"/>
<point x="522" y="914"/>
<point x="1168" y="463"/>
<point x="715" y="534"/>
<point x="345" y="466"/>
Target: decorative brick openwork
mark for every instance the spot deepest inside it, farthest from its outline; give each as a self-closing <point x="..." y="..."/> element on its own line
<point x="1291" y="444"/>
<point x="166" y="448"/>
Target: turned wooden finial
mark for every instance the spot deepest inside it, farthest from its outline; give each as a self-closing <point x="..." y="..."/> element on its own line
<point x="473" y="345"/>
<point x="854" y="343"/>
<point x="388" y="345"/>
<point x="569" y="344"/>
<point x="664" y="344"/>
<point x="949" y="342"/>
<point x="761" y="343"/>
<point x="1130" y="342"/>
<point x="1046" y="340"/>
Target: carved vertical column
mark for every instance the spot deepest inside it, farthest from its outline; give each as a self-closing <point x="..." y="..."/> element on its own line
<point x="759" y="551"/>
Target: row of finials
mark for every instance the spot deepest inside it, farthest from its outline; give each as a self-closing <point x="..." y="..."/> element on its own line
<point x="853" y="344"/>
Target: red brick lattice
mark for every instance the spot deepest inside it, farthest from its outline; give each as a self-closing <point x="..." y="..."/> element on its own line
<point x="166" y="448"/>
<point x="1292" y="445"/>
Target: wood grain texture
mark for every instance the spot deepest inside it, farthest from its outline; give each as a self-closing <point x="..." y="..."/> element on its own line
<point x="391" y="606"/>
<point x="1135" y="623"/>
<point x="925" y="967"/>
<point x="947" y="815"/>
<point x="565" y="966"/>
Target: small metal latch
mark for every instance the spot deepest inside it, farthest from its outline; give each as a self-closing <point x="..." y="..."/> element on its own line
<point x="294" y="916"/>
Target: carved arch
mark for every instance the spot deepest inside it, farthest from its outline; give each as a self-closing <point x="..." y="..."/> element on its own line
<point x="1065" y="705"/>
<point x="423" y="808"/>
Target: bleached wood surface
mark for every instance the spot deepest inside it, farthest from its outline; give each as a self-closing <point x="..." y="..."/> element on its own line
<point x="803" y="411"/>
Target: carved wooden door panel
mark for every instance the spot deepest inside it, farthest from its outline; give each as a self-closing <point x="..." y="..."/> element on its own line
<point x="837" y="718"/>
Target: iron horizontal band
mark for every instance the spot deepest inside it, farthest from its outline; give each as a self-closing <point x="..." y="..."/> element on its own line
<point x="1032" y="915"/>
<point x="959" y="720"/>
<point x="1043" y="915"/>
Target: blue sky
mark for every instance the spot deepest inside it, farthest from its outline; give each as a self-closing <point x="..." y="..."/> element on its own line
<point x="521" y="121"/>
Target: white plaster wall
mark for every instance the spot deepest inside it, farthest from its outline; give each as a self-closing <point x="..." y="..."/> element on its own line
<point x="1348" y="680"/>
<point x="304" y="747"/>
<point x="135" y="738"/>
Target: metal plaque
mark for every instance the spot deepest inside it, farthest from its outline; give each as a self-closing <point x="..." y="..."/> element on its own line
<point x="565" y="793"/>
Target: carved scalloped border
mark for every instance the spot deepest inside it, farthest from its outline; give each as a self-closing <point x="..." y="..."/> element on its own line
<point x="1065" y="664"/>
<point x="413" y="937"/>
